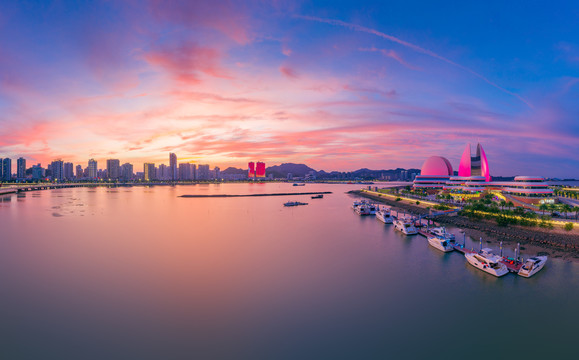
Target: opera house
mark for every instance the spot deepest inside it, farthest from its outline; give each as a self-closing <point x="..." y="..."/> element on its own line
<point x="474" y="178"/>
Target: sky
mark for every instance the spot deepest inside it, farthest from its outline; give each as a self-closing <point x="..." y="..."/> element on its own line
<point x="337" y="85"/>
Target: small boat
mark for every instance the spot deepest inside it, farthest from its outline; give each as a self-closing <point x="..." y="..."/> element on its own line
<point x="296" y="184"/>
<point x="441" y="231"/>
<point x="362" y="210"/>
<point x="294" y="203"/>
<point x="405" y="226"/>
<point x="357" y="203"/>
<point x="319" y="196"/>
<point x="532" y="266"/>
<point x="372" y="208"/>
<point x="440" y="243"/>
<point x="384" y="216"/>
<point x="488" y="262"/>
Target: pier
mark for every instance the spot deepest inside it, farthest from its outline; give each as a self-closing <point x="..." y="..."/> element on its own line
<point x="512" y="265"/>
<point x="254" y="195"/>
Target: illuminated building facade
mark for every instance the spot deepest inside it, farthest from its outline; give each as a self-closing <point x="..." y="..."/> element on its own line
<point x="251" y="170"/>
<point x="260" y="169"/>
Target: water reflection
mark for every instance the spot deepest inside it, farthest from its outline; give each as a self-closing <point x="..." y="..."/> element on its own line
<point x="148" y="275"/>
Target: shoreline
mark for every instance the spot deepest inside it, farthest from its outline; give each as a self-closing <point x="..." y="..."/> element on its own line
<point x="555" y="243"/>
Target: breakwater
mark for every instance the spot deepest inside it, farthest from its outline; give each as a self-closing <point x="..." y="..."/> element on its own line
<point x="254" y="195"/>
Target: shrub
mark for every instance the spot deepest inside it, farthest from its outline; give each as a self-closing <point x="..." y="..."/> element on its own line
<point x="398" y="199"/>
<point x="502" y="220"/>
<point x="418" y="203"/>
<point x="568" y="226"/>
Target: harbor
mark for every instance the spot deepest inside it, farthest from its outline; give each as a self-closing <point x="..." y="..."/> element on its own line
<point x="439" y="238"/>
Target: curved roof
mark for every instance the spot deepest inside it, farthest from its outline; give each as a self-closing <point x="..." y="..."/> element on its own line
<point x="464" y="166"/>
<point x="436" y="165"/>
<point x="527" y="178"/>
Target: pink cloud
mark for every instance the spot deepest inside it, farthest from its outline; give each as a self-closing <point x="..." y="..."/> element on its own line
<point x="185" y="62"/>
<point x="288" y="72"/>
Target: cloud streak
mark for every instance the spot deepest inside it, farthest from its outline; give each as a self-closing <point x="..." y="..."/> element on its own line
<point x="414" y="47"/>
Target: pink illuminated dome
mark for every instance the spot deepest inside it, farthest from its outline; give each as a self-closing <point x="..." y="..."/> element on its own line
<point x="437" y="166"/>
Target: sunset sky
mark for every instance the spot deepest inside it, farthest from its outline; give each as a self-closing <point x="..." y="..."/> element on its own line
<point x="336" y="85"/>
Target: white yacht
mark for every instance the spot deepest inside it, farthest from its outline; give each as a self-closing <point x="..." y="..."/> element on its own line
<point x="532" y="266"/>
<point x="440" y="243"/>
<point x="487" y="261"/>
<point x="357" y="203"/>
<point x="372" y="208"/>
<point x="385" y="216"/>
<point x="362" y="210"/>
<point x="441" y="231"/>
<point x="406" y="226"/>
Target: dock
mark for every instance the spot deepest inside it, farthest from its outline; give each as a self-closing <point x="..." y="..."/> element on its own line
<point x="512" y="265"/>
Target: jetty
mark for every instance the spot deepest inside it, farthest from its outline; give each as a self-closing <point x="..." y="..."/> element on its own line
<point x="255" y="195"/>
<point x="512" y="264"/>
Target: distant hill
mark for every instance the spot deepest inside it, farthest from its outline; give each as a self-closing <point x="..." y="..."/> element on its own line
<point x="281" y="171"/>
<point x="234" y="171"/>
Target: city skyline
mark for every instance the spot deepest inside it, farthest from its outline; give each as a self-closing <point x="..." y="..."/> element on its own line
<point x="337" y="86"/>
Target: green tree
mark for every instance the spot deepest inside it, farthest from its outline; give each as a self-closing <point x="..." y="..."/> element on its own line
<point x="543" y="207"/>
<point x="569" y="226"/>
<point x="502" y="203"/>
<point x="566" y="208"/>
<point x="510" y="204"/>
<point x="576" y="210"/>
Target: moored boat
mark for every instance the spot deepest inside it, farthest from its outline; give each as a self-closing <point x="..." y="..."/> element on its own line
<point x="384" y="215"/>
<point x="532" y="266"/>
<point x="441" y="231"/>
<point x="440" y="243"/>
<point x="362" y="210"/>
<point x="405" y="226"/>
<point x="294" y="203"/>
<point x="488" y="262"/>
<point x="319" y="196"/>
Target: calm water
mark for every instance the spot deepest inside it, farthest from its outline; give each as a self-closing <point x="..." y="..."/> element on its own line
<point x="138" y="273"/>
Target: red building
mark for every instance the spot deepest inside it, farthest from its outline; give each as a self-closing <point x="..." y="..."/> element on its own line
<point x="251" y="170"/>
<point x="260" y="170"/>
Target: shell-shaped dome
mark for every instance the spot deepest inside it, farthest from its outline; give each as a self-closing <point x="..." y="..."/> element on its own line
<point x="436" y="165"/>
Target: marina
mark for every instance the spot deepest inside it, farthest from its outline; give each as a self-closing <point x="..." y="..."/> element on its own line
<point x="440" y="239"/>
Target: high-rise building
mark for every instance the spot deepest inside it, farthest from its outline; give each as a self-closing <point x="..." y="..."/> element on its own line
<point x="7" y="169"/>
<point x="217" y="173"/>
<point x="57" y="167"/>
<point x="185" y="171"/>
<point x="149" y="171"/>
<point x="193" y="172"/>
<point x="173" y="167"/>
<point x="251" y="170"/>
<point x="68" y="171"/>
<point x="163" y="173"/>
<point x="203" y="172"/>
<point x="113" y="169"/>
<point x="38" y="172"/>
<point x="260" y="169"/>
<point x="127" y="171"/>
<point x="92" y="169"/>
<point x="79" y="172"/>
<point x="21" y="168"/>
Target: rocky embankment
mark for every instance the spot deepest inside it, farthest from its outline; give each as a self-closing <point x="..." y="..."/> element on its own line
<point x="556" y="239"/>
